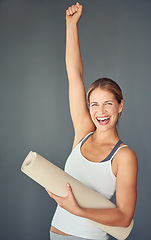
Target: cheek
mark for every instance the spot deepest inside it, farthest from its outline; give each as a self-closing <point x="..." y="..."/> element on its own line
<point x="92" y="111"/>
<point x="113" y="111"/>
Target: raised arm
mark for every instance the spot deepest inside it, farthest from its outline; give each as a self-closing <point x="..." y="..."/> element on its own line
<point x="77" y="98"/>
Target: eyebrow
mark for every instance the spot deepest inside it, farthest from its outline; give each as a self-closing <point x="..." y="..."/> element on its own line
<point x="105" y="101"/>
<point x="109" y="101"/>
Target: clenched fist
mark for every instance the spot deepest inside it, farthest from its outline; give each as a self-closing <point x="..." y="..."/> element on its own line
<point x="73" y="13"/>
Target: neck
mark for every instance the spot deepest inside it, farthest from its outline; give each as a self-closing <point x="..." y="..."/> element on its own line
<point x="110" y="136"/>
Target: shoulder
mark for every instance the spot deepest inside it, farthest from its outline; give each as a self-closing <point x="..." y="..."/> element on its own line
<point x="126" y="154"/>
<point x="126" y="159"/>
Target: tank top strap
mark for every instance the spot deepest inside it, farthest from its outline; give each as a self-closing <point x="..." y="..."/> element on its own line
<point x="111" y="154"/>
<point x="117" y="151"/>
<point x="85" y="138"/>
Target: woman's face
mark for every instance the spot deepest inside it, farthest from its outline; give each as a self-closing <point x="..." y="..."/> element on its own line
<point x="104" y="109"/>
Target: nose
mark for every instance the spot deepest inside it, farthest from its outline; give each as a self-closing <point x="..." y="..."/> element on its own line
<point x="102" y="109"/>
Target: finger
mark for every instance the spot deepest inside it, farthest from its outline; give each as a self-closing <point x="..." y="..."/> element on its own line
<point x="67" y="12"/>
<point x="55" y="197"/>
<point x="69" y="189"/>
<point x="80" y="8"/>
<point x="70" y="10"/>
<point x="74" y="8"/>
<point x="52" y="195"/>
<point x="77" y="4"/>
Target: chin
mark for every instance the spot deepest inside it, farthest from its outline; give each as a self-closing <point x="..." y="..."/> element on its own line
<point x="104" y="128"/>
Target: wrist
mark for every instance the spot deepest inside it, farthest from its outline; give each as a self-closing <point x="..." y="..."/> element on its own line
<point x="81" y="212"/>
<point x="71" y="24"/>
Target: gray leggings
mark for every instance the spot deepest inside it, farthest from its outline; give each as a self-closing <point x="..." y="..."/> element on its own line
<point x="54" y="236"/>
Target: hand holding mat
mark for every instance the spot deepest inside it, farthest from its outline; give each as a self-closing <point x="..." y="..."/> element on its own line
<point x="55" y="179"/>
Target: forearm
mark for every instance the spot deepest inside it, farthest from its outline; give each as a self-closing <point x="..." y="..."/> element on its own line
<point x="110" y="217"/>
<point x="73" y="55"/>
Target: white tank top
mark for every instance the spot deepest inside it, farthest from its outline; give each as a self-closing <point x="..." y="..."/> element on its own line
<point x="96" y="175"/>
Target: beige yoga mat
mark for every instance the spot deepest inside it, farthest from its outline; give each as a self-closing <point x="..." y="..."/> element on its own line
<point x="55" y="179"/>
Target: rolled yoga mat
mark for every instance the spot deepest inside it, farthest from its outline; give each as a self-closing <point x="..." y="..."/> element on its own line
<point x="55" y="179"/>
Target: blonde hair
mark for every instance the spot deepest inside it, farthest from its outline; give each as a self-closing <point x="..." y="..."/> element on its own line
<point x="108" y="85"/>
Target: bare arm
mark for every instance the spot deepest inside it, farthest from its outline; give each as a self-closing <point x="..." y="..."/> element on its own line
<point x="126" y="193"/>
<point x="77" y="98"/>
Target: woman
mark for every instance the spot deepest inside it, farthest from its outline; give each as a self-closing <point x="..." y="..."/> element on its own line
<point x="98" y="159"/>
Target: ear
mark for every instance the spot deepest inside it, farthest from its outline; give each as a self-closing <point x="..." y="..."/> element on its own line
<point x="121" y="106"/>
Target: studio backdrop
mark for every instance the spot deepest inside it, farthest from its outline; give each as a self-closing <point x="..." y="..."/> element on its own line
<point x="115" y="39"/>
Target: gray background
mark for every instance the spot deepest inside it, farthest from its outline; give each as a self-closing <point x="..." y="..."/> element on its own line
<point x="115" y="40"/>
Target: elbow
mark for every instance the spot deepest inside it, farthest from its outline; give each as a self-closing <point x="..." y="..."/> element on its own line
<point x="125" y="218"/>
<point x="126" y="221"/>
<point x="126" y="224"/>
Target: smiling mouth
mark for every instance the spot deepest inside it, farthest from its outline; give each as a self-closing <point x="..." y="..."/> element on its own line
<point x="103" y="120"/>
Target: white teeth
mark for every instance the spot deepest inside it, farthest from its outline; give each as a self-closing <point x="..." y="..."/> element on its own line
<point x="102" y="119"/>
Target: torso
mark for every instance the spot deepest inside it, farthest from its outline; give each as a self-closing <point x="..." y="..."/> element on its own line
<point x="95" y="153"/>
<point x="57" y="231"/>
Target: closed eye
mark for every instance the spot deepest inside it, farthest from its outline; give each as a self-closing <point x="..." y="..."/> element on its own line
<point x="93" y="104"/>
<point x="108" y="103"/>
